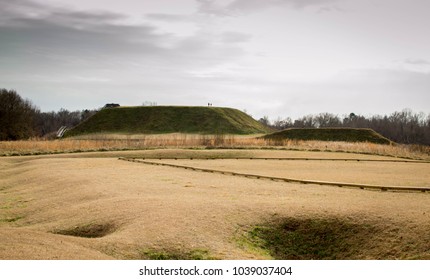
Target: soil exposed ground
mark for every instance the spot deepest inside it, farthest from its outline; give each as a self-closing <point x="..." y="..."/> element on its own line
<point x="94" y="206"/>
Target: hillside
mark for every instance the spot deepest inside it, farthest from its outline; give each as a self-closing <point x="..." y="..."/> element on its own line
<point x="169" y="119"/>
<point x="330" y="134"/>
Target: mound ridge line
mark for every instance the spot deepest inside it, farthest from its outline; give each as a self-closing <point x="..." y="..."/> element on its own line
<point x="292" y="159"/>
<point x="288" y="180"/>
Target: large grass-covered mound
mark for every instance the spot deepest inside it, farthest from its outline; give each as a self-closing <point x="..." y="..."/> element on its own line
<point x="169" y="119"/>
<point x="330" y="134"/>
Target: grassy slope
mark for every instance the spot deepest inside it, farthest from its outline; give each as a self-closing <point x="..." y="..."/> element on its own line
<point x="169" y="119"/>
<point x="330" y="134"/>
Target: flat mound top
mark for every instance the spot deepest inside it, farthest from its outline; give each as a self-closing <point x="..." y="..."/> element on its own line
<point x="169" y="119"/>
<point x="330" y="134"/>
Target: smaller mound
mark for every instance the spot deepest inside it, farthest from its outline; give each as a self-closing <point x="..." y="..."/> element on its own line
<point x="330" y="134"/>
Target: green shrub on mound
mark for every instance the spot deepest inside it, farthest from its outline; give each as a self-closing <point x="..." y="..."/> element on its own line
<point x="330" y="134"/>
<point x="169" y="119"/>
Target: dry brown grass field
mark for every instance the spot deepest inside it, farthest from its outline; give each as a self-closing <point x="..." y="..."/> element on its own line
<point x="114" y="142"/>
<point x="94" y="206"/>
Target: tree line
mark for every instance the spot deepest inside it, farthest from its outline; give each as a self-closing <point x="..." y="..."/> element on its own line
<point x="20" y="119"/>
<point x="404" y="127"/>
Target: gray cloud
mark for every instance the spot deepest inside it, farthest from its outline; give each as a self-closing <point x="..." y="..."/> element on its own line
<point x="33" y="27"/>
<point x="306" y="3"/>
<point x="209" y="7"/>
<point x="168" y="17"/>
<point x="417" y="61"/>
<point x="246" y="6"/>
<point x="10" y="9"/>
<point x="376" y="89"/>
<point x="362" y="91"/>
<point x="250" y="6"/>
<point x="391" y="77"/>
<point x="98" y="37"/>
<point x="235" y="37"/>
<point x="62" y="57"/>
<point x="50" y="49"/>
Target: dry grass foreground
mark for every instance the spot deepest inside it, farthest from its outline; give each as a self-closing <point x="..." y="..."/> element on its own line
<point x="115" y="142"/>
<point x="93" y="206"/>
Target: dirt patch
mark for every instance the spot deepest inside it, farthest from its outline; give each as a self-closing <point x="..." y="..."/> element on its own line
<point x="88" y="231"/>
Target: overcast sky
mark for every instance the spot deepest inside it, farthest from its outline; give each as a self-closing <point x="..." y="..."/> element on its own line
<point x="280" y="58"/>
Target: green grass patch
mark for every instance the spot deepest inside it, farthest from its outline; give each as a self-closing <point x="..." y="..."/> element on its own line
<point x="93" y="230"/>
<point x="12" y="202"/>
<point x="305" y="239"/>
<point x="2" y="188"/>
<point x="329" y="134"/>
<point x="11" y="219"/>
<point x="169" y="119"/>
<point x="175" y="254"/>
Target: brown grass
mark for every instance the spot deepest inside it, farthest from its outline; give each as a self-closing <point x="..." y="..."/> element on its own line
<point x="372" y="173"/>
<point x="117" y="142"/>
<point x="51" y="205"/>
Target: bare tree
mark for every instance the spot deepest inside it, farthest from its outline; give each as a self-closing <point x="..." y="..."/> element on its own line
<point x="401" y="127"/>
<point x="16" y="116"/>
<point x="265" y="120"/>
<point x="327" y="120"/>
